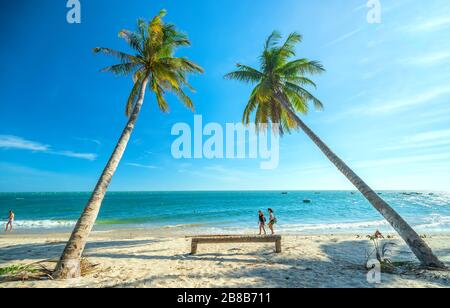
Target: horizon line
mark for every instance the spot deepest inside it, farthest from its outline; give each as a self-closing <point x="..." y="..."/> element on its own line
<point x="230" y="190"/>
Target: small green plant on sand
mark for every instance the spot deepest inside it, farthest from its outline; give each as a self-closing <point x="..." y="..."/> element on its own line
<point x="41" y="270"/>
<point x="14" y="269"/>
<point x="382" y="250"/>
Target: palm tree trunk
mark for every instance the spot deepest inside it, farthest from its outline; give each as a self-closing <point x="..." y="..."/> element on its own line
<point x="69" y="263"/>
<point x="418" y="246"/>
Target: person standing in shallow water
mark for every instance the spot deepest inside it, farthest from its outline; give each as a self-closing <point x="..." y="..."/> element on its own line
<point x="262" y="223"/>
<point x="10" y="221"/>
<point x="272" y="221"/>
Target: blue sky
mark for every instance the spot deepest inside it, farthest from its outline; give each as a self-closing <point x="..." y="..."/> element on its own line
<point x="386" y="94"/>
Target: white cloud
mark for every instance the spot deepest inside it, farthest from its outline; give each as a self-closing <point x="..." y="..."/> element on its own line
<point x="13" y="142"/>
<point x="219" y="173"/>
<point x="418" y="99"/>
<point x="95" y="141"/>
<point x="427" y="59"/>
<point x="87" y="156"/>
<point x="6" y="167"/>
<point x="142" y="166"/>
<point x="436" y="115"/>
<point x="425" y="140"/>
<point x="344" y="37"/>
<point x="422" y="145"/>
<point x="360" y="7"/>
<point x="401" y="160"/>
<point x="431" y="135"/>
<point x="434" y="24"/>
<point x="184" y="167"/>
<point x="371" y="74"/>
<point x="392" y="106"/>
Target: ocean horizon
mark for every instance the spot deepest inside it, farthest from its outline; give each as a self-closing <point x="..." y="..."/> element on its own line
<point x="226" y="212"/>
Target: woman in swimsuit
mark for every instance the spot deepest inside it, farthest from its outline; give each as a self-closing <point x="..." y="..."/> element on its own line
<point x="273" y="221"/>
<point x="262" y="223"/>
<point x="10" y="221"/>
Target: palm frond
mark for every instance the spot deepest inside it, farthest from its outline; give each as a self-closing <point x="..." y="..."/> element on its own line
<point x="305" y="94"/>
<point x="264" y="92"/>
<point x="162" y="103"/>
<point x="262" y="116"/>
<point x="133" y="39"/>
<point x="185" y="99"/>
<point x="250" y="108"/>
<point x="246" y="74"/>
<point x="287" y="123"/>
<point x="159" y="92"/>
<point x="122" y="69"/>
<point x="122" y="56"/>
<point x="288" y="49"/>
<point x="276" y="117"/>
<point x="182" y="64"/>
<point x="301" y="81"/>
<point x="272" y="40"/>
<point x="301" y="66"/>
<point x="133" y="97"/>
<point x="164" y="74"/>
<point x="174" y="37"/>
<point x="190" y="66"/>
<point x="297" y="101"/>
<point x="142" y="27"/>
<point x="155" y="29"/>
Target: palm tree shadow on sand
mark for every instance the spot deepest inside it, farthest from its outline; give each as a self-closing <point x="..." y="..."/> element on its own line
<point x="52" y="250"/>
<point x="338" y="264"/>
<point x="342" y="267"/>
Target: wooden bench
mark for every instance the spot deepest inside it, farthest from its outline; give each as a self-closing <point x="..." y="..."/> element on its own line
<point x="226" y="239"/>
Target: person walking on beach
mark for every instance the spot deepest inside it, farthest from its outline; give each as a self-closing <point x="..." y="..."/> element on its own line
<point x="262" y="223"/>
<point x="272" y="220"/>
<point x="10" y="221"/>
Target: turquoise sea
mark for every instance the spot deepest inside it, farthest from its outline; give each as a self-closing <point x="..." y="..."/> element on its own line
<point x="227" y="212"/>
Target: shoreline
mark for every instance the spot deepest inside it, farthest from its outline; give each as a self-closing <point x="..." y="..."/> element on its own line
<point x="179" y="230"/>
<point x="228" y="212"/>
<point x="186" y="232"/>
<point x="135" y="258"/>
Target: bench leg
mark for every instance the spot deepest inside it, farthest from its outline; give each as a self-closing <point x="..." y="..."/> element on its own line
<point x="194" y="246"/>
<point x="278" y="246"/>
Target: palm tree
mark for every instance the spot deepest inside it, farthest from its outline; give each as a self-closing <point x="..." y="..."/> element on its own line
<point x="154" y="67"/>
<point x="280" y="93"/>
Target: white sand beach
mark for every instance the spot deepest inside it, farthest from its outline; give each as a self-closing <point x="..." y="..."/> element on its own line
<point x="136" y="258"/>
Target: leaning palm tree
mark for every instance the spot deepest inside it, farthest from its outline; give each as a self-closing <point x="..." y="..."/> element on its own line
<point x="153" y="66"/>
<point x="280" y="93"/>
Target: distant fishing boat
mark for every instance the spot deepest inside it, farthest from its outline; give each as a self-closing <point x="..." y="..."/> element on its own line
<point x="284" y="193"/>
<point x="307" y="201"/>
